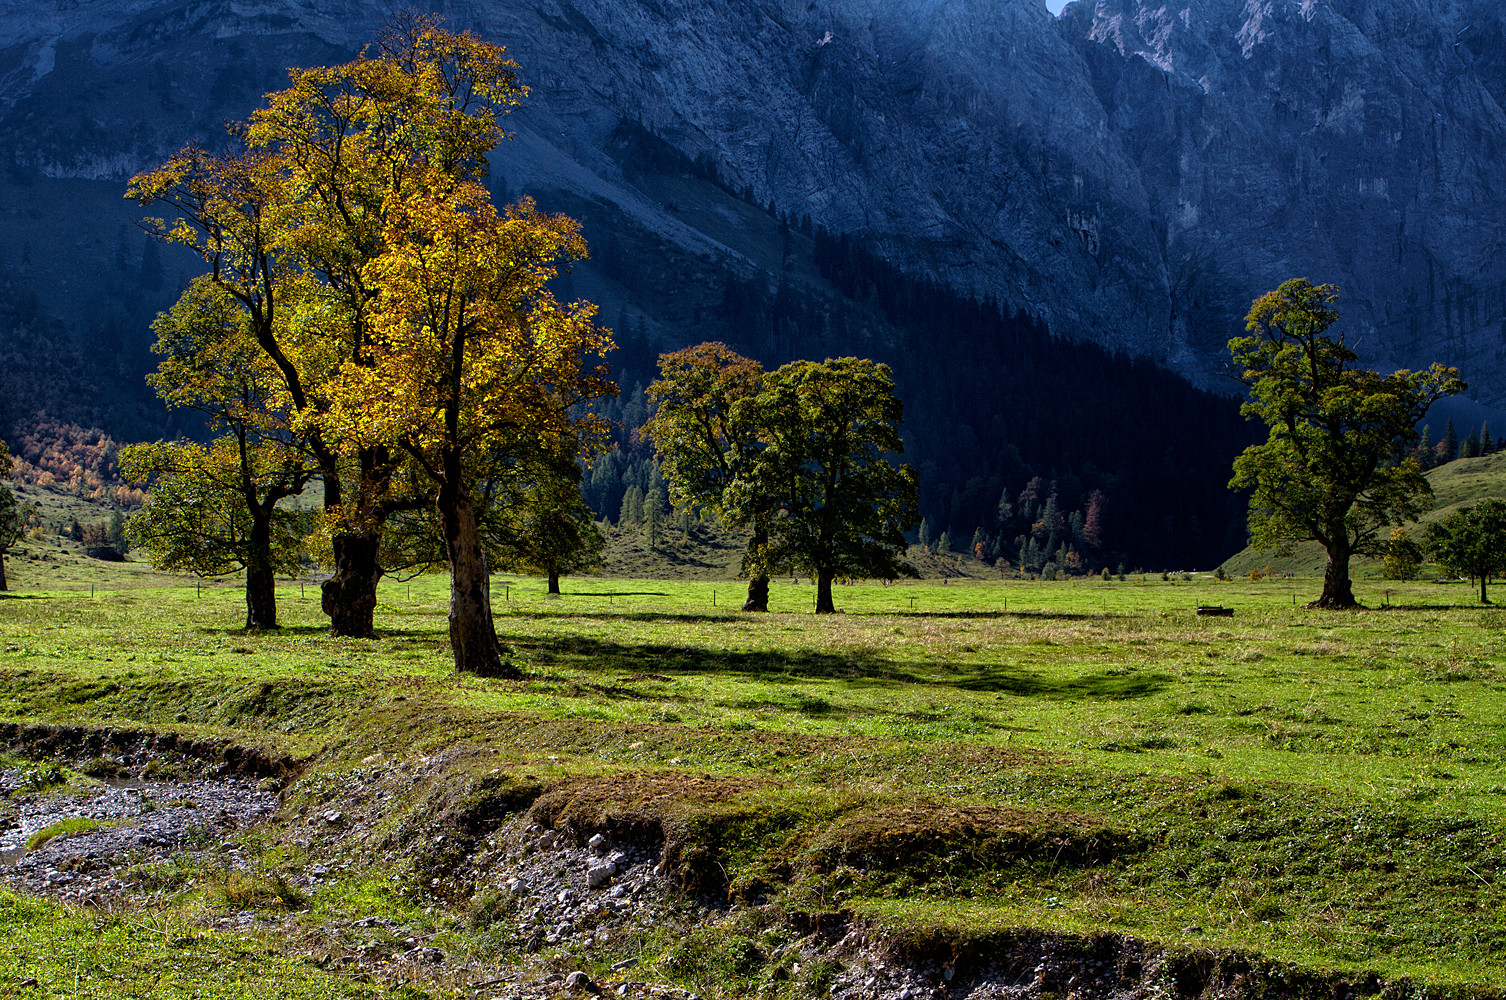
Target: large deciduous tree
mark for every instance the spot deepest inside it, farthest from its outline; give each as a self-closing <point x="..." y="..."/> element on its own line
<point x="1336" y="466"/>
<point x="471" y="368"/>
<point x="1471" y="542"/>
<point x="217" y="507"/>
<point x="291" y="218"/>
<point x="839" y="507"/>
<point x="706" y="438"/>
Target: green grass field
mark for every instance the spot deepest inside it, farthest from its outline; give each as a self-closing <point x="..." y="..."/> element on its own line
<point x="959" y="760"/>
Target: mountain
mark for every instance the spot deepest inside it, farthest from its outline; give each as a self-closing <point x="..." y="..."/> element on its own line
<point x="1128" y="174"/>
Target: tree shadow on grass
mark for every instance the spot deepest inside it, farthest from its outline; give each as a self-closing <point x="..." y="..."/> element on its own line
<point x="858" y="669"/>
<point x="283" y="631"/>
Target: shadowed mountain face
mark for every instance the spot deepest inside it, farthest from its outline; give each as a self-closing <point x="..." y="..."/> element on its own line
<point x="1129" y="173"/>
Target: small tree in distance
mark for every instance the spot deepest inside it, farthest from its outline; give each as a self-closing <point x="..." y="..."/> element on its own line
<point x="1472" y="542"/>
<point x="1403" y="556"/>
<point x="1336" y="467"/>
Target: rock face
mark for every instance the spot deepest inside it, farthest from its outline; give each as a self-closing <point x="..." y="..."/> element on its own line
<point x="1132" y="172"/>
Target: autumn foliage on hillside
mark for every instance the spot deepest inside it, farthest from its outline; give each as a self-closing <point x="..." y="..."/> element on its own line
<point x="62" y="456"/>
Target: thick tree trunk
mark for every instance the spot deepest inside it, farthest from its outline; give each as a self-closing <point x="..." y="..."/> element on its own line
<point x="261" y="582"/>
<point x="349" y="597"/>
<point x="473" y="638"/>
<point x="758" y="594"/>
<point x="824" y="605"/>
<point x="1338" y="593"/>
<point x="758" y="586"/>
<point x="554" y="581"/>
<point x="3" y="586"/>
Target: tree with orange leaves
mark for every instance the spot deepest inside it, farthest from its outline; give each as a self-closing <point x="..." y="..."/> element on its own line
<point x="472" y="369"/>
<point x="290" y="219"/>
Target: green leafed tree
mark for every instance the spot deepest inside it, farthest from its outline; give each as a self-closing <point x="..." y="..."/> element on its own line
<point x="706" y="439"/>
<point x="197" y="519"/>
<point x="541" y="524"/>
<point x="1336" y="467"/>
<point x="1471" y="542"/>
<point x="211" y="363"/>
<point x="836" y="506"/>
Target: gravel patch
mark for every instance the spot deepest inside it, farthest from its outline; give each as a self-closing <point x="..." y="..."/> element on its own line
<point x="141" y="822"/>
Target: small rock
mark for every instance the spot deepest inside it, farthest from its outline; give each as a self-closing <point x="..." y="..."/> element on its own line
<point x="580" y="982"/>
<point x="332" y="817"/>
<point x="599" y="875"/>
<point x="553" y="977"/>
<point x="597" y="843"/>
<point x="626" y="963"/>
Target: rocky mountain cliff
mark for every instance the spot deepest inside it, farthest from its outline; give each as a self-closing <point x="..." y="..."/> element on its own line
<point x="1132" y="173"/>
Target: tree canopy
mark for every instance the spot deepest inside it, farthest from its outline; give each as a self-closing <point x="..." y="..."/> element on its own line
<point x="1471" y="542"/>
<point x="1336" y="466"/>
<point x="836" y="506"/>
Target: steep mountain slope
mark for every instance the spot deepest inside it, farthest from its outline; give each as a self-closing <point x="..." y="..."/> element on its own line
<point x="1130" y="174"/>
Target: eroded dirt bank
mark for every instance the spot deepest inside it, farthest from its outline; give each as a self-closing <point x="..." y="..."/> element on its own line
<point x="518" y="888"/>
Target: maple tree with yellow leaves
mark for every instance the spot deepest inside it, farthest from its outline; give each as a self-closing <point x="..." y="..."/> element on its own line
<point x="351" y="224"/>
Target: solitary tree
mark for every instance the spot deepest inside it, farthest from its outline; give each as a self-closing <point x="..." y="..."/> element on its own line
<point x="1471" y="542"/>
<point x="539" y="522"/>
<point x="1336" y="467"/>
<point x="838" y="506"/>
<point x="706" y="438"/>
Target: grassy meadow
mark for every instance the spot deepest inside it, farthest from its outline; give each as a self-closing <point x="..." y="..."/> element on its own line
<point x="949" y="762"/>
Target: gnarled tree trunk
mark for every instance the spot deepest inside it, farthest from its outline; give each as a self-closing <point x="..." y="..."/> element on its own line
<point x="554" y="581"/>
<point x="473" y="637"/>
<point x="1338" y="592"/>
<point x="758" y="594"/>
<point x="349" y="597"/>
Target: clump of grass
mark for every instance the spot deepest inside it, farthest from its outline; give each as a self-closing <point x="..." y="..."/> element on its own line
<point x="242" y="890"/>
<point x="39" y="779"/>
<point x="71" y="827"/>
